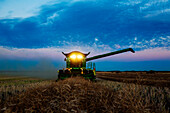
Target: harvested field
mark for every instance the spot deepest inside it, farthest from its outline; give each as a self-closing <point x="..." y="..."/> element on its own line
<point x="80" y="95"/>
<point x="13" y="85"/>
<point x="160" y="79"/>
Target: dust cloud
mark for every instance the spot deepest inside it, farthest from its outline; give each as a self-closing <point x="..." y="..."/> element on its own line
<point x="43" y="68"/>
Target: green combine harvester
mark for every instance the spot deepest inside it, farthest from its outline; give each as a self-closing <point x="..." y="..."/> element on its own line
<point x="76" y="64"/>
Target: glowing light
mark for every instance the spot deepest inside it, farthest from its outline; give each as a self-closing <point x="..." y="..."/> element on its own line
<point x="79" y="56"/>
<point x="73" y="56"/>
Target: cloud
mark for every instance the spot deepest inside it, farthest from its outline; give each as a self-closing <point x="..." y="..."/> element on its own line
<point x="51" y="19"/>
<point x="157" y="12"/>
<point x="20" y="8"/>
<point x="152" y="3"/>
<point x="130" y="2"/>
<point x="46" y="28"/>
<point x="30" y="54"/>
<point x="60" y="23"/>
<point x="52" y="53"/>
<point x="55" y="53"/>
<point x="96" y="39"/>
<point x="144" y="55"/>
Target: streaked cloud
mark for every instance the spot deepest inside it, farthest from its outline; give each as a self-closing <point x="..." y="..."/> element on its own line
<point x="44" y="29"/>
<point x="144" y="55"/>
<point x="55" y="53"/>
<point x="11" y="9"/>
<point x="151" y="3"/>
<point x="59" y="22"/>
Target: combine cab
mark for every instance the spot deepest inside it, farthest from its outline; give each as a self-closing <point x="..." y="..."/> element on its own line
<point x="76" y="64"/>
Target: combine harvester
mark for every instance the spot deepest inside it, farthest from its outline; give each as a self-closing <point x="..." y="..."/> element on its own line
<point x="76" y="64"/>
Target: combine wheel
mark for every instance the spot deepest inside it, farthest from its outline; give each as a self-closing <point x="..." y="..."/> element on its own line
<point x="59" y="74"/>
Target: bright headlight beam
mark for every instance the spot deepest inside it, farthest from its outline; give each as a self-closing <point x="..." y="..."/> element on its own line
<point x="73" y="56"/>
<point x="79" y="56"/>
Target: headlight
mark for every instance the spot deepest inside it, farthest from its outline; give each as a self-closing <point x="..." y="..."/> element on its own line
<point x="79" y="56"/>
<point x="73" y="56"/>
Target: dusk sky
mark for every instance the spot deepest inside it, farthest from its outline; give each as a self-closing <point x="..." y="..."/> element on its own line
<point x="33" y="33"/>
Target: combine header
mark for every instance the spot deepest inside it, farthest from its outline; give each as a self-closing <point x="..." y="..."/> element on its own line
<point x="76" y="64"/>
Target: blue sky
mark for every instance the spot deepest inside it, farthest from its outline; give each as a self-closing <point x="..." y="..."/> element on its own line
<point x="32" y="30"/>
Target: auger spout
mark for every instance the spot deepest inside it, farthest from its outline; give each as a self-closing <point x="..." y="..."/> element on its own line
<point x="109" y="54"/>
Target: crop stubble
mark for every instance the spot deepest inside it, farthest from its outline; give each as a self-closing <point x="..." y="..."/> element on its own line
<point x="80" y="95"/>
